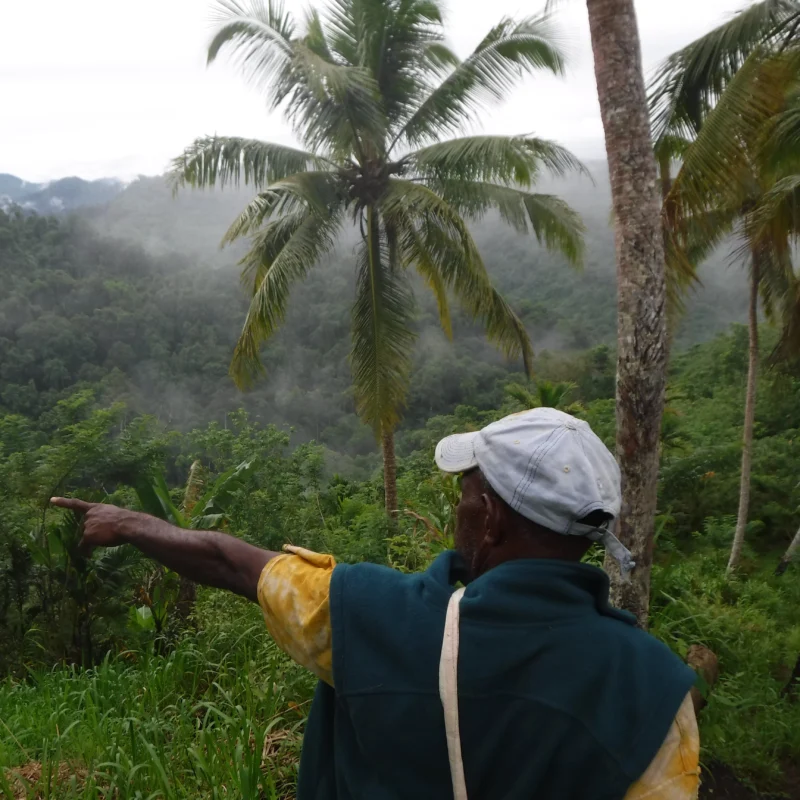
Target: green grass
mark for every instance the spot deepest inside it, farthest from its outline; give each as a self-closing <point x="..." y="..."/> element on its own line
<point x="221" y="715"/>
<point x="218" y="717"/>
<point x="753" y="625"/>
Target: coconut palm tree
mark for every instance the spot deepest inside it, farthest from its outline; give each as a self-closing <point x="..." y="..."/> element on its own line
<point x="370" y="89"/>
<point x="691" y="81"/>
<point x="544" y="394"/>
<point x="641" y="284"/>
<point x="736" y="178"/>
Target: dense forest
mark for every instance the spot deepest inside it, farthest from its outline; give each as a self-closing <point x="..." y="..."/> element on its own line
<point x="150" y="309"/>
<point x="114" y="373"/>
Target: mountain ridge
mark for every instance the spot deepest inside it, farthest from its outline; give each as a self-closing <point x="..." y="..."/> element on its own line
<point x="61" y="195"/>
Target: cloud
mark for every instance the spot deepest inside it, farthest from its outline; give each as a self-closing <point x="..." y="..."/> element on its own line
<point x="80" y="99"/>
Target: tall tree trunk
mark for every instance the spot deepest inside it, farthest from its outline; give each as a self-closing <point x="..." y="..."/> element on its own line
<point x="642" y="323"/>
<point x="389" y="472"/>
<point x="749" y="421"/>
<point x="788" y="557"/>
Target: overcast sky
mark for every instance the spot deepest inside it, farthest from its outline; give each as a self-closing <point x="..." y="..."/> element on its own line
<point x="100" y="88"/>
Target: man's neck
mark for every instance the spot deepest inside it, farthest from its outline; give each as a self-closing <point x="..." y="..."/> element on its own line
<point x="545" y="545"/>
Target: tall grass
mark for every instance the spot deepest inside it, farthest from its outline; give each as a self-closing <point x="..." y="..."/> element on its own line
<point x="752" y="623"/>
<point x="220" y="716"/>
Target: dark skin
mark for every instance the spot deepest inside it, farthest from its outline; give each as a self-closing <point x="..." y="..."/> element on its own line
<point x="206" y="557"/>
<point x="488" y="533"/>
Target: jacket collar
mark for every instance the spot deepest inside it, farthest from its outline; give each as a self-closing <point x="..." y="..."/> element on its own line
<point x="529" y="591"/>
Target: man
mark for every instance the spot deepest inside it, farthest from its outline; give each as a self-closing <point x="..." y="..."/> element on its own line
<point x="524" y="684"/>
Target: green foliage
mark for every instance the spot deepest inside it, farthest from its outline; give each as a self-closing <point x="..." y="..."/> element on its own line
<point x="545" y="394"/>
<point x="202" y="708"/>
<point x="752" y="626"/>
<point x="220" y="714"/>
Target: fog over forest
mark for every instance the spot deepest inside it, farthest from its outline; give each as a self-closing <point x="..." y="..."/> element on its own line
<point x="154" y="245"/>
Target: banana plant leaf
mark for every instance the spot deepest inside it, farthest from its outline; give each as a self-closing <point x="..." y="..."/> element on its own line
<point x="154" y="498"/>
<point x="217" y="499"/>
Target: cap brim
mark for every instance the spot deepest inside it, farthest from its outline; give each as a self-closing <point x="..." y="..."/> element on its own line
<point x="457" y="453"/>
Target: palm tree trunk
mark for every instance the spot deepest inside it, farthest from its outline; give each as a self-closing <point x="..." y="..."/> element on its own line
<point x="749" y="421"/>
<point x="788" y="557"/>
<point x="389" y="472"/>
<point x="642" y="326"/>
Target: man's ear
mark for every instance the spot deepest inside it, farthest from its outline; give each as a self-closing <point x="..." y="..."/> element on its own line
<point x="493" y="520"/>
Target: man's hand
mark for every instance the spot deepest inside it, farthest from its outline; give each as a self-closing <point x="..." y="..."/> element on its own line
<point x="103" y="525"/>
<point x="207" y="557"/>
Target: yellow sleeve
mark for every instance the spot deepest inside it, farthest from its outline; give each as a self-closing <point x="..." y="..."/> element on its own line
<point x="674" y="773"/>
<point x="294" y="594"/>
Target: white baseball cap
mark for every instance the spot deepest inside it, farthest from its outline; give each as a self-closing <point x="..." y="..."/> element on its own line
<point x="549" y="467"/>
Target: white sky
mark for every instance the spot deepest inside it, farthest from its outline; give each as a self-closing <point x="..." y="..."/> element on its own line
<point x="100" y="88"/>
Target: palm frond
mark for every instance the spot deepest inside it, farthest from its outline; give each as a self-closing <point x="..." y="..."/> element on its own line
<point x="688" y="246"/>
<point x="260" y="34"/>
<point x="775" y="273"/>
<point x="717" y="166"/>
<point x="510" y="50"/>
<point x="271" y="239"/>
<point x="554" y="223"/>
<point x="319" y="191"/>
<point x="316" y="38"/>
<point x="434" y="238"/>
<point x="788" y="346"/>
<point x="779" y="209"/>
<point x="690" y="82"/>
<point x="229" y="160"/>
<point x="525" y="398"/>
<point x="781" y="148"/>
<point x="382" y="334"/>
<point x="436" y="284"/>
<point x="400" y="43"/>
<point x="504" y="159"/>
<point x="274" y="270"/>
<point x="331" y="105"/>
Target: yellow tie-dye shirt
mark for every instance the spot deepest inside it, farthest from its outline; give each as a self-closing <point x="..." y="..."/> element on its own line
<point x="293" y="592"/>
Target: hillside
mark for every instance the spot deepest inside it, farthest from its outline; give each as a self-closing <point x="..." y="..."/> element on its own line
<point x="138" y="297"/>
<point x="566" y="309"/>
<point x="55" y="197"/>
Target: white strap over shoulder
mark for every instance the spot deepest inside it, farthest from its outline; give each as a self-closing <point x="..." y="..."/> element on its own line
<point x="448" y="692"/>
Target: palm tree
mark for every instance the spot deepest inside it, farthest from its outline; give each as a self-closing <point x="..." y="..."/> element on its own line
<point x="370" y="89"/>
<point x="641" y="281"/>
<point x="692" y="80"/>
<point x="736" y="178"/>
<point x="544" y="394"/>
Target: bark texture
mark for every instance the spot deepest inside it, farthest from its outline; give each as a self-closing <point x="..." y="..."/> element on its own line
<point x="389" y="472"/>
<point x="749" y="422"/>
<point x="794" y="549"/>
<point x="642" y="324"/>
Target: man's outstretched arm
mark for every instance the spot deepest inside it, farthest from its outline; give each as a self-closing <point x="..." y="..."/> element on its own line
<point x="206" y="557"/>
